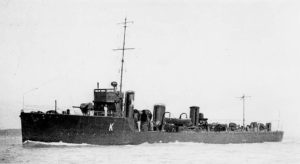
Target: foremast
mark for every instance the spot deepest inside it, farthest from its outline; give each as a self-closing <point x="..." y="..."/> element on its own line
<point x="125" y="25"/>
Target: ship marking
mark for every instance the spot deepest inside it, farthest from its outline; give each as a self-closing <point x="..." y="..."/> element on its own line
<point x="110" y="128"/>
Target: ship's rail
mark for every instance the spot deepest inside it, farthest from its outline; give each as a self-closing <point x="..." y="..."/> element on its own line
<point x="44" y="109"/>
<point x="102" y="113"/>
<point x="276" y="125"/>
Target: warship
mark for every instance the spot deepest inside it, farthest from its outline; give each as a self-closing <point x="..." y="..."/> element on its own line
<point x="112" y="119"/>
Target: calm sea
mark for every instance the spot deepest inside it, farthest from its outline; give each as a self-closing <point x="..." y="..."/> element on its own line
<point x="12" y="151"/>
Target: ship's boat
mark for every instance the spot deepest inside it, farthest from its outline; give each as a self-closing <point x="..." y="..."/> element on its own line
<point x="112" y="119"/>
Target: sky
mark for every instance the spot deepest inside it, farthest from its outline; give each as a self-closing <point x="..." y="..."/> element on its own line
<point x="196" y="52"/>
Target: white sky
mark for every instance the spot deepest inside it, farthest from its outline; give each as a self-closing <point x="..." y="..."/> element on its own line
<point x="194" y="52"/>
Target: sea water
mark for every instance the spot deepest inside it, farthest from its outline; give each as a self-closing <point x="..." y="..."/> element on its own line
<point x="13" y="151"/>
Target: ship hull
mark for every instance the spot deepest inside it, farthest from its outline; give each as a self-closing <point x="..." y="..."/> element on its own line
<point x="120" y="131"/>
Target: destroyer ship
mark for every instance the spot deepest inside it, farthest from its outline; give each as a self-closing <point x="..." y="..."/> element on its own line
<point x="112" y="119"/>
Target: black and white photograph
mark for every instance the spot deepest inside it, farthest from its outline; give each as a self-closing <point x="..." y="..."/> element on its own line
<point x="150" y="81"/>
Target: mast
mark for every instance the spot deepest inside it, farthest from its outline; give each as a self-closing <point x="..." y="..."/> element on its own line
<point x="123" y="51"/>
<point x="244" y="98"/>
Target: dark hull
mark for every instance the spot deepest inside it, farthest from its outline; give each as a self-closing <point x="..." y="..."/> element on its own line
<point x="96" y="130"/>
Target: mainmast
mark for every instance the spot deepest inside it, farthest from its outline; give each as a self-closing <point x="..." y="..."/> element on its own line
<point x="123" y="51"/>
<point x="244" y="98"/>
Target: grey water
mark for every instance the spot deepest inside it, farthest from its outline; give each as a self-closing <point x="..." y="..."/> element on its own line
<point x="13" y="151"/>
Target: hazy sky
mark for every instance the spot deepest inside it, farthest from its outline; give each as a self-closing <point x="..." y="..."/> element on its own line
<point x="194" y="52"/>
